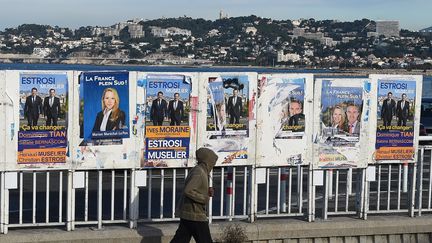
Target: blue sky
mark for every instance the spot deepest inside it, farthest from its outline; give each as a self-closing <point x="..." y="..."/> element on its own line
<point x="412" y="14"/>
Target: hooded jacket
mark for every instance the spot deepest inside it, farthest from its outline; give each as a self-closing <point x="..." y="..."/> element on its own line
<point x="193" y="201"/>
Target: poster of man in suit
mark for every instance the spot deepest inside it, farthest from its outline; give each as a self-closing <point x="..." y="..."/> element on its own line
<point x="51" y="108"/>
<point x="167" y="130"/>
<point x="228" y="101"/>
<point x="33" y="107"/>
<point x="158" y="110"/>
<point x="176" y="110"/>
<point x="395" y="119"/>
<point x="388" y="109"/>
<point x="402" y="110"/>
<point x="43" y="110"/>
<point x="234" y="107"/>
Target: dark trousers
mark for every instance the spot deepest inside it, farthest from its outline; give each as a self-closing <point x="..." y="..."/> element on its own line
<point x="198" y="229"/>
<point x="50" y="118"/>
<point x="387" y="121"/>
<point x="234" y="119"/>
<point x="32" y="119"/>
<point x="402" y="121"/>
<point x="175" y="122"/>
<point x="158" y="122"/>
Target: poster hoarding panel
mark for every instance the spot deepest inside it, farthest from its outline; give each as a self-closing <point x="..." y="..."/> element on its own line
<point x="167" y="105"/>
<point x="4" y="136"/>
<point x="339" y="125"/>
<point x="104" y="120"/>
<point x="394" y="133"/>
<point x="37" y="119"/>
<point x="228" y="118"/>
<point x="284" y="124"/>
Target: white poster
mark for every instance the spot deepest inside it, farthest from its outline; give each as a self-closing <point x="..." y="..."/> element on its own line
<point x="284" y="119"/>
<point x="340" y="121"/>
<point x="228" y="116"/>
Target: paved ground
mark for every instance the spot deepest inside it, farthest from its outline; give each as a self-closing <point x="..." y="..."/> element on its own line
<point x="262" y="230"/>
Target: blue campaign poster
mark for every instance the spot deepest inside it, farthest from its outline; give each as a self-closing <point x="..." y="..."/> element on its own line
<point x="105" y="105"/>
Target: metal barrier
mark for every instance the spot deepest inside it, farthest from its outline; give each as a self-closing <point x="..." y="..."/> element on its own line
<point x="39" y="200"/>
<point x="285" y="192"/>
<point x="337" y="196"/>
<point x="53" y="198"/>
<point x="424" y="182"/>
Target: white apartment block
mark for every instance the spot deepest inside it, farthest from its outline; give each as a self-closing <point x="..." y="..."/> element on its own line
<point x="281" y="57"/>
<point x="387" y="28"/>
<point x="161" y="32"/>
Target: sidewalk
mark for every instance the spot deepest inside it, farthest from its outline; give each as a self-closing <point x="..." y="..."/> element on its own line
<point x="337" y="229"/>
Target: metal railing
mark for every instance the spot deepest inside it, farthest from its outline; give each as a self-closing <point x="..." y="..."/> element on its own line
<point x="56" y="197"/>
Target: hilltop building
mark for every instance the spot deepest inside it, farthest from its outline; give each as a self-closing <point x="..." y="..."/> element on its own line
<point x="134" y="28"/>
<point x="387" y="28"/>
<point x="162" y="32"/>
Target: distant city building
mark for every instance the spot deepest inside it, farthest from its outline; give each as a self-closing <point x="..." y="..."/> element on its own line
<point x="387" y="28"/>
<point x="298" y="31"/>
<point x="296" y="22"/>
<point x="134" y="28"/>
<point x="319" y="36"/>
<point x="42" y="52"/>
<point x="250" y="30"/>
<point x="427" y="31"/>
<point x="223" y="15"/>
<point x="161" y="32"/>
<point x="372" y="34"/>
<point x="293" y="57"/>
<point x="213" y="32"/>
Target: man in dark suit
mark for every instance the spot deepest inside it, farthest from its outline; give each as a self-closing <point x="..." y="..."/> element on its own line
<point x="388" y="109"/>
<point x="51" y="107"/>
<point x="176" y="110"/>
<point x="402" y="110"/>
<point x="158" y="110"/>
<point x="295" y="112"/>
<point x="33" y="107"/>
<point x="234" y="107"/>
<point x="353" y="113"/>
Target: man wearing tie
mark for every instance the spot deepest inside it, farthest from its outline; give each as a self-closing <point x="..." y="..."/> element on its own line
<point x="234" y="107"/>
<point x="51" y="108"/>
<point x="176" y="110"/>
<point x="158" y="110"/>
<point x="388" y="109"/>
<point x="402" y="110"/>
<point x="33" y="107"/>
<point x="353" y="122"/>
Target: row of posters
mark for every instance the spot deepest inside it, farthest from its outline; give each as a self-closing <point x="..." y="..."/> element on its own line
<point x="270" y="120"/>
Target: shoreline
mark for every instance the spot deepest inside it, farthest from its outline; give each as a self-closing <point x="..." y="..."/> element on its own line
<point x="215" y="67"/>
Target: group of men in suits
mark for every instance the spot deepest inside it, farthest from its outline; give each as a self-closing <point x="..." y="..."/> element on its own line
<point x="161" y="109"/>
<point x="49" y="107"/>
<point x="390" y="108"/>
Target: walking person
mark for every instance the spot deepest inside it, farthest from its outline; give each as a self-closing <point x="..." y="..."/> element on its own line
<point x="192" y="205"/>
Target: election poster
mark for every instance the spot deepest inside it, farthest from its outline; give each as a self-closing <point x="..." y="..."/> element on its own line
<point x="105" y="120"/>
<point x="396" y="114"/>
<point x="339" y="123"/>
<point x="104" y="108"/>
<point x="43" y="111"/>
<point x="228" y="123"/>
<point x="227" y="106"/>
<point x="167" y="128"/>
<point x="284" y="118"/>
